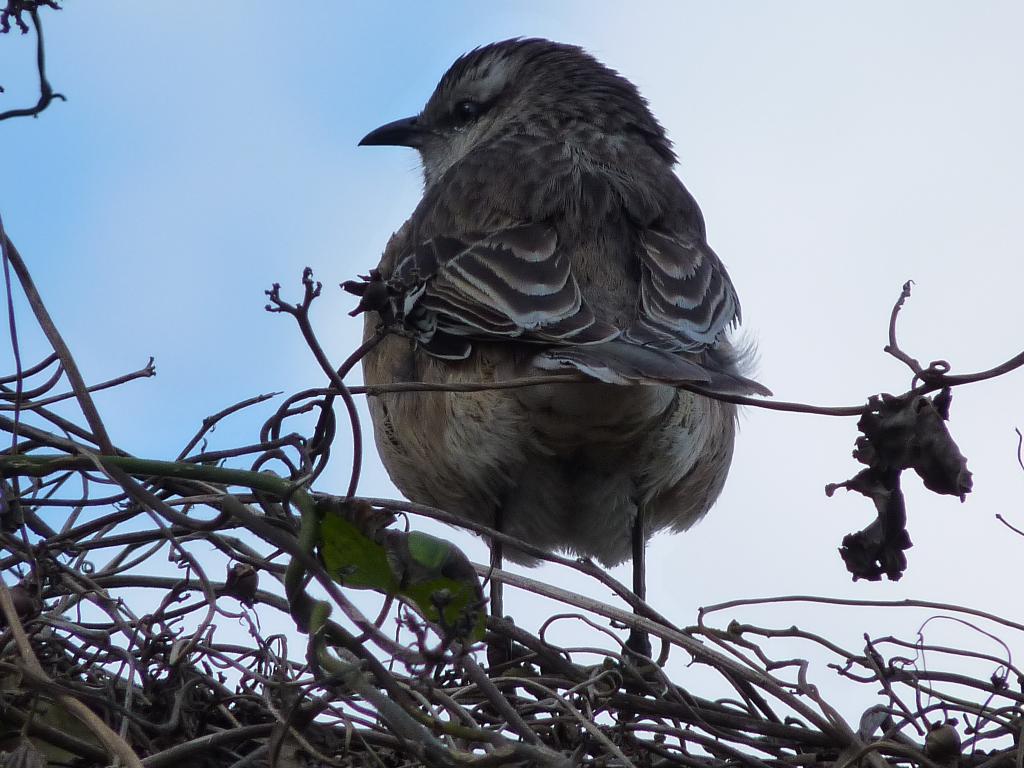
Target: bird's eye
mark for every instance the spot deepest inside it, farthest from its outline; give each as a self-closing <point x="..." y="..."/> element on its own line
<point x="466" y="112"/>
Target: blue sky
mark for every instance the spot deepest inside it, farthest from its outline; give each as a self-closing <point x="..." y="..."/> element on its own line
<point x="208" y="150"/>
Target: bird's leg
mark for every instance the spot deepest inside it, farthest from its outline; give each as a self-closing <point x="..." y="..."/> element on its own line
<point x="495" y="586"/>
<point x="499" y="651"/>
<point x="639" y="643"/>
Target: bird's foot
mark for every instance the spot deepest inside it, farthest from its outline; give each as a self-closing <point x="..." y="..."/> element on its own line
<point x="641" y="674"/>
<point x="500" y="652"/>
<point x="638" y="646"/>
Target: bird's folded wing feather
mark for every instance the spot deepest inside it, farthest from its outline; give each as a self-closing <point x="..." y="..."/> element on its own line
<point x="512" y="283"/>
<point x="517" y="283"/>
<point x="687" y="300"/>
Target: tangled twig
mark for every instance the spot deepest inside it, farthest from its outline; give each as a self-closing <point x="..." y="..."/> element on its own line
<point x="150" y="659"/>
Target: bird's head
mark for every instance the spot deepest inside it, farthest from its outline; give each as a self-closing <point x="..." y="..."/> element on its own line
<point x="524" y="87"/>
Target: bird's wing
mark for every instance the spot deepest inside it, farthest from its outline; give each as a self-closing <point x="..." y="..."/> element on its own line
<point x="514" y="283"/>
<point x="687" y="300"/>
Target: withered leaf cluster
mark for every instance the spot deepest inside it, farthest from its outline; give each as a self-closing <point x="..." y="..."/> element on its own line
<point x="899" y="433"/>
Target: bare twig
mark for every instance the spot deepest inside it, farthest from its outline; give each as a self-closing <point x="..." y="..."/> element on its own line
<point x="85" y="402"/>
<point x="144" y="651"/>
<point x="46" y="92"/>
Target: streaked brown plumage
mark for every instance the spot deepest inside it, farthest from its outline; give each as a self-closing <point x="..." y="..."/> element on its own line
<point x="553" y="235"/>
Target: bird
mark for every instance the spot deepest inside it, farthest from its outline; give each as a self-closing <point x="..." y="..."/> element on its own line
<point x="553" y="237"/>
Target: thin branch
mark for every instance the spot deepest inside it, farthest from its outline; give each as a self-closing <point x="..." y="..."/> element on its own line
<point x="376" y="390"/>
<point x="81" y="391"/>
<point x="210" y="422"/>
<point x="707" y="610"/>
<point x="301" y="314"/>
<point x="183" y="754"/>
<point x="46" y="92"/>
<point x="23" y="402"/>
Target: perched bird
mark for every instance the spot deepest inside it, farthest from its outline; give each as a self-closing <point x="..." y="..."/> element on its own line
<point x="553" y="236"/>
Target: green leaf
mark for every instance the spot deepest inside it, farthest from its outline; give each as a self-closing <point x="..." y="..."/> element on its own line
<point x="441" y="581"/>
<point x="430" y="573"/>
<point x="353" y="558"/>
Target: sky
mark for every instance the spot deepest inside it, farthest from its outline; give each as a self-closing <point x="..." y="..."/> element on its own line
<point x="207" y="151"/>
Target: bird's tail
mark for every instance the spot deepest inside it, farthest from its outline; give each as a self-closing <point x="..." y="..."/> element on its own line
<point x="622" y="362"/>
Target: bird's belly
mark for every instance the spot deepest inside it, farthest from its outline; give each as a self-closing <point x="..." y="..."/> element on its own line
<point x="562" y="466"/>
<point x="612" y="450"/>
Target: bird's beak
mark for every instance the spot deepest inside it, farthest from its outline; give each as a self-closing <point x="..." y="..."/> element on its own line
<point x="406" y="132"/>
